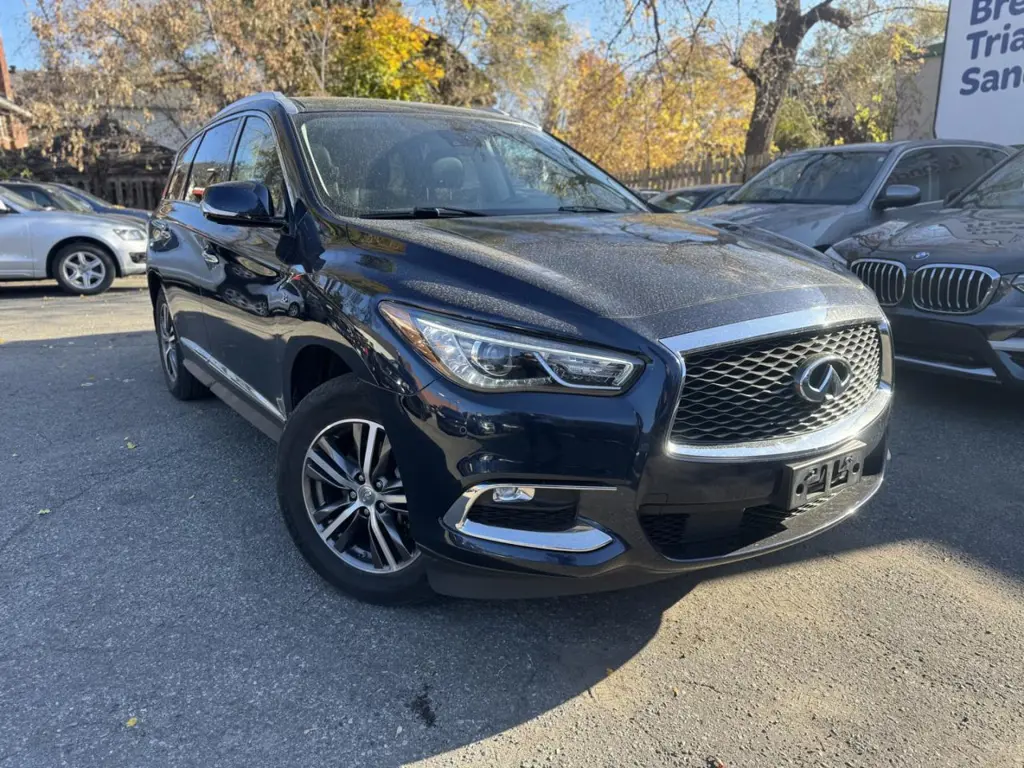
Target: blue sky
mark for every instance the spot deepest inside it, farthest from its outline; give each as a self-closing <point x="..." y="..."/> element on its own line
<point x="19" y="42"/>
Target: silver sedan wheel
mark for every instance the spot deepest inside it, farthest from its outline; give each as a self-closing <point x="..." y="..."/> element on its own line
<point x="354" y="497"/>
<point x="168" y="342"/>
<point x="84" y="270"/>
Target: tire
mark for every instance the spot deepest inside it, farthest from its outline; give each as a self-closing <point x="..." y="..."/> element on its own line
<point x="179" y="380"/>
<point x="343" y="544"/>
<point x="84" y="269"/>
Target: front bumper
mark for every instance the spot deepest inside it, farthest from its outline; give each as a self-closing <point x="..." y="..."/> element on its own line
<point x="629" y="482"/>
<point x="985" y="346"/>
<point x="131" y="258"/>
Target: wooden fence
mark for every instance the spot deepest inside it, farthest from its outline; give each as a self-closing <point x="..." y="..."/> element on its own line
<point x="137" y="191"/>
<point x="733" y="169"/>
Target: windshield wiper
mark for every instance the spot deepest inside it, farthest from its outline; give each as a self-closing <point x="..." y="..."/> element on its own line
<point x="586" y="209"/>
<point x="422" y="212"/>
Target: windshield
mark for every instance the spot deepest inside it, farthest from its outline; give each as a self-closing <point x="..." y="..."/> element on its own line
<point x="1003" y="188"/>
<point x="838" y="178"/>
<point x="7" y="195"/>
<point x="68" y="202"/>
<point x="382" y="164"/>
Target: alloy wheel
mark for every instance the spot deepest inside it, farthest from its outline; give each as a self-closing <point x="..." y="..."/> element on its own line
<point x="355" y="499"/>
<point x="84" y="270"/>
<point x="168" y="342"/>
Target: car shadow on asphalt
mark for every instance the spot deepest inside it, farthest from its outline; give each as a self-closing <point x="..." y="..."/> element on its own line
<point x="219" y="595"/>
<point x="50" y="289"/>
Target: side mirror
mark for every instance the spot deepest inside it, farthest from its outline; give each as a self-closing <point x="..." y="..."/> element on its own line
<point x="953" y="195"/>
<point x="898" y="196"/>
<point x="241" y="203"/>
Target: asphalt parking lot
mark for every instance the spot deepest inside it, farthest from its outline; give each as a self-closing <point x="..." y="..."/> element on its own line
<point x="153" y="611"/>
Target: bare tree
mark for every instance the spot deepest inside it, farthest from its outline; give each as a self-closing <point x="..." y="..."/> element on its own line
<point x="771" y="72"/>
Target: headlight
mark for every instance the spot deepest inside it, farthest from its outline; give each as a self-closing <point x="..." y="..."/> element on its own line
<point x="491" y="359"/>
<point x="1018" y="282"/>
<point x="129" y="233"/>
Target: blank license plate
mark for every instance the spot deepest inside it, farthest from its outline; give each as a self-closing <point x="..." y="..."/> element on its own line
<point x="822" y="477"/>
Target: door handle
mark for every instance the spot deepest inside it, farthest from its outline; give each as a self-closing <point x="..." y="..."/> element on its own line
<point x="210" y="255"/>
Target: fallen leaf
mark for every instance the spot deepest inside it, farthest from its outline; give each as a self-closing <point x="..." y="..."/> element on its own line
<point x="675" y="691"/>
<point x="44" y="512"/>
<point x="129" y="445"/>
<point x="608" y="671"/>
<point x="132" y="722"/>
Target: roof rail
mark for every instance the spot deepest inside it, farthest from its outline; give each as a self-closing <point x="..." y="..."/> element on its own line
<point x="277" y="96"/>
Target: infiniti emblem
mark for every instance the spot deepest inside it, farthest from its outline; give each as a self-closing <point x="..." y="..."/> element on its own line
<point x="921" y="255"/>
<point x="823" y="378"/>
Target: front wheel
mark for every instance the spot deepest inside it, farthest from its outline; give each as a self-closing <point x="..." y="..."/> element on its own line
<point x="341" y="493"/>
<point x="84" y="269"/>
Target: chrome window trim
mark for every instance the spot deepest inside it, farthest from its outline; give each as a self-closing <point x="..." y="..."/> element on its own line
<point x="814" y="319"/>
<point x="232" y="378"/>
<point x="581" y="538"/>
<point x="991" y="273"/>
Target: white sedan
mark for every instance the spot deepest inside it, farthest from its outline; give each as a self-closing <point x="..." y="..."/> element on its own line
<point x="84" y="252"/>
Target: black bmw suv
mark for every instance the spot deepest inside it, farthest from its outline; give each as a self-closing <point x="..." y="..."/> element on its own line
<point x="952" y="284"/>
<point x="491" y="370"/>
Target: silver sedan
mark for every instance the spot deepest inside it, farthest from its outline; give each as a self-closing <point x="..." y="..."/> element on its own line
<point x="84" y="252"/>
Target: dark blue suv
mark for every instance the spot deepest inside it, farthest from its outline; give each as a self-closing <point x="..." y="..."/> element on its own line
<point x="491" y="369"/>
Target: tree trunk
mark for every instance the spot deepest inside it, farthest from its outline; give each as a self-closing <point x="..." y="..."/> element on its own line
<point x="769" y="93"/>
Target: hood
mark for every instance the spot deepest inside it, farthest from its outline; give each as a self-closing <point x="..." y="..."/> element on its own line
<point x="643" y="269"/>
<point x="992" y="238"/>
<point x="124" y="219"/>
<point x="806" y="223"/>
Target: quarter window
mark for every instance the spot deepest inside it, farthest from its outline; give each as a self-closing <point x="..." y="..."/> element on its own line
<point x="176" y="184"/>
<point x="256" y="160"/>
<point x="213" y="159"/>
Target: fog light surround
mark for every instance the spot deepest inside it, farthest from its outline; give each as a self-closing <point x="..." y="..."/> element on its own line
<point x="510" y="494"/>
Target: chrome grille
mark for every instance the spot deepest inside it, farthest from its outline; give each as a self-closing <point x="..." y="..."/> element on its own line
<point x="888" y="279"/>
<point x="952" y="288"/>
<point x="747" y="391"/>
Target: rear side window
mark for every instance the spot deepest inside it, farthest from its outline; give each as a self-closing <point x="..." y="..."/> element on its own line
<point x="37" y="196"/>
<point x="176" y="184"/>
<point x="959" y="167"/>
<point x="212" y="162"/>
<point x="256" y="160"/>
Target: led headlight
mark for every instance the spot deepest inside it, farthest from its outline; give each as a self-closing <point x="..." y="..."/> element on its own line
<point x="129" y="233"/>
<point x="491" y="359"/>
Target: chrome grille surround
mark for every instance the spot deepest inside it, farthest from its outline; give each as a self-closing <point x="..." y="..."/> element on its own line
<point x="865" y="421"/>
<point x="953" y="289"/>
<point x="746" y="391"/>
<point x="888" y="279"/>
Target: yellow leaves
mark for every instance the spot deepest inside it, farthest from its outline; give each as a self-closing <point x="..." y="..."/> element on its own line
<point x="131" y="722"/>
<point x="694" y="103"/>
<point x="43" y="512"/>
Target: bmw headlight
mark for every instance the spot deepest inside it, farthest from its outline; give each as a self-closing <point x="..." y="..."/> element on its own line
<point x="490" y="359"/>
<point x="833" y="254"/>
<point x="1018" y="282"/>
<point x="129" y="233"/>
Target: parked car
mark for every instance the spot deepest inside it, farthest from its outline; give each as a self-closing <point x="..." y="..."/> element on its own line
<point x="821" y="196"/>
<point x="479" y="391"/>
<point x="64" y="197"/>
<point x="953" y="284"/>
<point x="693" y="198"/>
<point x="82" y="251"/>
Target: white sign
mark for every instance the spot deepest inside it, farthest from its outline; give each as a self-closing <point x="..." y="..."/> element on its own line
<point x="981" y="91"/>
